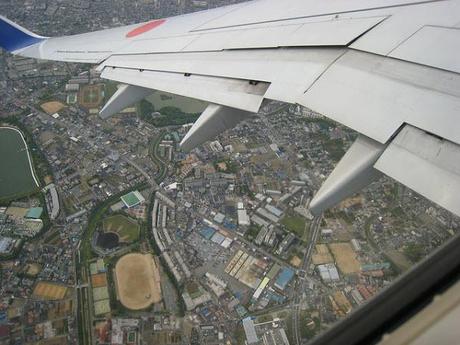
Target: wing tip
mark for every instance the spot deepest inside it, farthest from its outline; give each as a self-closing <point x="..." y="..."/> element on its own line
<point x="14" y="37"/>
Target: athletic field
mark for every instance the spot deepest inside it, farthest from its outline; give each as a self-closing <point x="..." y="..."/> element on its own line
<point x="52" y="107"/>
<point x="91" y="96"/>
<point x="138" y="281"/>
<point x="127" y="229"/>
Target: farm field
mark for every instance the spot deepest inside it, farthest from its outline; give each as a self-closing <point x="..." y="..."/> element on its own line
<point x="127" y="229"/>
<point x="49" y="291"/>
<point x="16" y="175"/>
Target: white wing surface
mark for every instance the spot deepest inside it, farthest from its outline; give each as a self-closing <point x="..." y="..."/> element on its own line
<point x="388" y="69"/>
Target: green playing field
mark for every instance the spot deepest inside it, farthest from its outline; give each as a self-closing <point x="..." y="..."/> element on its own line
<point x="127" y="229"/>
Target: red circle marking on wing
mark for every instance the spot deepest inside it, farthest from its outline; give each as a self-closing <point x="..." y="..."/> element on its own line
<point x="144" y="28"/>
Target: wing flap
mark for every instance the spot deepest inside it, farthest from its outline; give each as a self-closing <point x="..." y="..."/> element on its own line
<point x="376" y="95"/>
<point x="425" y="163"/>
<point x="289" y="71"/>
<point x="234" y="93"/>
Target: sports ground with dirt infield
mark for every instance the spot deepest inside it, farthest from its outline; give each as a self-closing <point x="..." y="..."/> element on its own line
<point x="137" y="280"/>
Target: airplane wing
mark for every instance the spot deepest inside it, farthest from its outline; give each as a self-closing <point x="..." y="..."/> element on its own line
<point x="388" y="69"/>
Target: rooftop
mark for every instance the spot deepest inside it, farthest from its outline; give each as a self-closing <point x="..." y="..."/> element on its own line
<point x="284" y="278"/>
<point x="250" y="331"/>
<point x="207" y="232"/>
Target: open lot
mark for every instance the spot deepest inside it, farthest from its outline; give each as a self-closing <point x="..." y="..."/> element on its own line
<point x="52" y="107"/>
<point x="295" y="261"/>
<point x="61" y="310"/>
<point x="295" y="224"/>
<point x="165" y="337"/>
<point x="17" y="212"/>
<point x="32" y="269"/>
<point x="399" y="260"/>
<point x="16" y="173"/>
<point x="345" y="257"/>
<point x="322" y="255"/>
<point x="51" y="291"/>
<point x="59" y="340"/>
<point x="357" y="200"/>
<point x="137" y="279"/>
<point x="127" y="229"/>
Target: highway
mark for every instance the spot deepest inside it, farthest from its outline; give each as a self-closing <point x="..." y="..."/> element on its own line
<point x="163" y="168"/>
<point x="301" y="284"/>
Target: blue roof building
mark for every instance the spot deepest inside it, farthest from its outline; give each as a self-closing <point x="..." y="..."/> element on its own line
<point x="229" y="225"/>
<point x="3" y="318"/>
<point x="207" y="232"/>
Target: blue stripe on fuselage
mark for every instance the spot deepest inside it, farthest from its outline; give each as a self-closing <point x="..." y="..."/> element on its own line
<point x="12" y="38"/>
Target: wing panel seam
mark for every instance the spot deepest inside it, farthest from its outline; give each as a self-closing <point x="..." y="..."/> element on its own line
<point x="320" y="15"/>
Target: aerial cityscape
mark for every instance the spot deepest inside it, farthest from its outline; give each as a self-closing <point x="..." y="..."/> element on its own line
<point x="111" y="234"/>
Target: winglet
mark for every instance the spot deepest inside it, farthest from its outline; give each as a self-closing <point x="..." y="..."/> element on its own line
<point x="14" y="37"/>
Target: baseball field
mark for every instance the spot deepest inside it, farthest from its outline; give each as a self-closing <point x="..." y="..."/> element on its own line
<point x="127" y="229"/>
<point x="137" y="281"/>
<point x="52" y="107"/>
